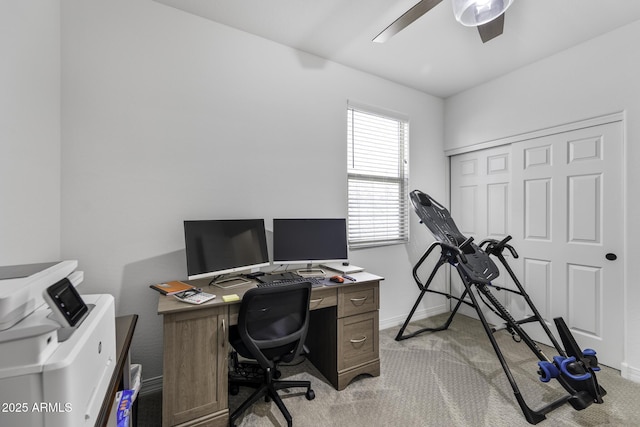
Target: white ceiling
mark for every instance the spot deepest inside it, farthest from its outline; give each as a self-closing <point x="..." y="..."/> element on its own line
<point x="435" y="54"/>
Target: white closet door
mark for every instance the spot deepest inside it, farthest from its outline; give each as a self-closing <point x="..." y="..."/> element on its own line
<point x="568" y="220"/>
<point x="480" y="207"/>
<point x="561" y="198"/>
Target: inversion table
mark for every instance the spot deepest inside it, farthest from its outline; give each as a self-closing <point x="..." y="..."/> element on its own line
<point x="573" y="368"/>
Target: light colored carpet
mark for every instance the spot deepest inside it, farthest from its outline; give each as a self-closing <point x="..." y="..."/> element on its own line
<point x="446" y="378"/>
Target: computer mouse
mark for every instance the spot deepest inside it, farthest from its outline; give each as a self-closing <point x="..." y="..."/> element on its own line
<point x="337" y="279"/>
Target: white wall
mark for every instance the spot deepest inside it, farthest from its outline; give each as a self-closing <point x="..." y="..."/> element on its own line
<point x="593" y="79"/>
<point x="29" y="131"/>
<point x="167" y="116"/>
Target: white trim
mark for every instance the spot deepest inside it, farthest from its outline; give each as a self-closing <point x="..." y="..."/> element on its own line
<point x="630" y="373"/>
<point x="377" y="178"/>
<point x="151" y="385"/>
<point x="367" y="108"/>
<point x="594" y="121"/>
<point x="626" y="370"/>
<point x="418" y="315"/>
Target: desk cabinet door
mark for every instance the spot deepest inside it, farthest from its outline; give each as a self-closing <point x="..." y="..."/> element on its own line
<point x="195" y="365"/>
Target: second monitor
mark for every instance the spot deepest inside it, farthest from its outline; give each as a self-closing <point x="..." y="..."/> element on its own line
<point x="309" y="241"/>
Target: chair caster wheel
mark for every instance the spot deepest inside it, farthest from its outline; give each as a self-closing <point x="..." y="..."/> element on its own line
<point x="310" y="394"/>
<point x="276" y="374"/>
<point x="234" y="390"/>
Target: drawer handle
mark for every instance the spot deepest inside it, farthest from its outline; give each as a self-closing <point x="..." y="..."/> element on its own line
<point x="319" y="300"/>
<point x="356" y="300"/>
<point x="224" y="333"/>
<point x="363" y="339"/>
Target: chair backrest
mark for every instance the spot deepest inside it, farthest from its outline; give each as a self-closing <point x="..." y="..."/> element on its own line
<point x="273" y="321"/>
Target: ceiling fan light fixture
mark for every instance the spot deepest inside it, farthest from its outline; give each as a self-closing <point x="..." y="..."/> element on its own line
<point x="473" y="13"/>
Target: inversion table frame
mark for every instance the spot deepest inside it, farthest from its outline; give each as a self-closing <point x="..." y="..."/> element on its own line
<point x="573" y="368"/>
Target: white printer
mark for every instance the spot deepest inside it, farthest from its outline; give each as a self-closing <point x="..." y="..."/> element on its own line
<point x="57" y="348"/>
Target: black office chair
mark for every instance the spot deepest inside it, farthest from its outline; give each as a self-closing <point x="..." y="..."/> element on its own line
<point x="272" y="327"/>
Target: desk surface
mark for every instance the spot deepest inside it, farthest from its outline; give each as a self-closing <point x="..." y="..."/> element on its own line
<point x="168" y="304"/>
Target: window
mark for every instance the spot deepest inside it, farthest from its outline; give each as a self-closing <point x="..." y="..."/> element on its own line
<point x="378" y="176"/>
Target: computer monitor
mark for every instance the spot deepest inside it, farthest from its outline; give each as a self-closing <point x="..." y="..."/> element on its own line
<point x="218" y="247"/>
<point x="309" y="241"/>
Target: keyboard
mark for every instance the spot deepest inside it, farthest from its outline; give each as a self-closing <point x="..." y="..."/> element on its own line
<point x="274" y="277"/>
<point x="315" y="282"/>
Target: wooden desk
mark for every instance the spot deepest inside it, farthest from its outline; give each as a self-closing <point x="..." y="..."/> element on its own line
<point x="342" y="339"/>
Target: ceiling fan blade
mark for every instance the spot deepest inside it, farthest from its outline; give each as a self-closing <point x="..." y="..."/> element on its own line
<point x="491" y="29"/>
<point x="407" y="18"/>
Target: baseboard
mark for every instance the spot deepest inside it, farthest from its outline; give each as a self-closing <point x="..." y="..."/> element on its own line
<point x="151" y="385"/>
<point x="630" y="373"/>
<point x="392" y="322"/>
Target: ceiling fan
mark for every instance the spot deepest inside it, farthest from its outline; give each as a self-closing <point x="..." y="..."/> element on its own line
<point x="487" y="15"/>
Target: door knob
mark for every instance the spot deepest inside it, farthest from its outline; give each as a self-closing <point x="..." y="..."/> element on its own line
<point x="611" y="257"/>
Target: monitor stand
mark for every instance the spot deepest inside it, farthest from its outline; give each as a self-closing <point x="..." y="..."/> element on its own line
<point x="230" y="282"/>
<point x="310" y="272"/>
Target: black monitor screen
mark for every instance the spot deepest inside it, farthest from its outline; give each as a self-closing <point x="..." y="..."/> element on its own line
<point x="215" y="247"/>
<point x="313" y="239"/>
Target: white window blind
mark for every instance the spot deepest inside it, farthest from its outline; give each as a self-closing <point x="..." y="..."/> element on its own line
<point x="378" y="176"/>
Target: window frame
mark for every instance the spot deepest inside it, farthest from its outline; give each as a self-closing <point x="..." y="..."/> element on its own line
<point x="387" y="231"/>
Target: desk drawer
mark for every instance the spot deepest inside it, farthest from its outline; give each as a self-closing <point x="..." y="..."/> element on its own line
<point x="357" y="299"/>
<point x="323" y="297"/>
<point x="357" y="340"/>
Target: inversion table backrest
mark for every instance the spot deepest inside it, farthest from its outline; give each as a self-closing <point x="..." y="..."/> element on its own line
<point x="476" y="264"/>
